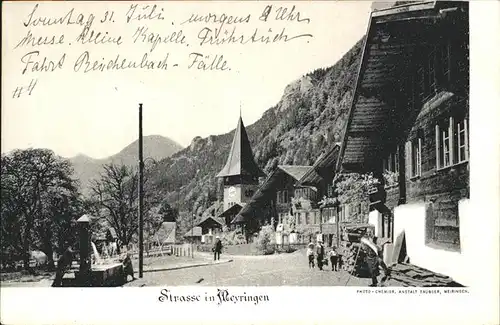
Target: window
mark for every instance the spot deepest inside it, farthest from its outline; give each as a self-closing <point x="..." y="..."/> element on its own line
<point x="343" y="212"/>
<point x="330" y="191"/>
<point x="414" y="158"/>
<point x="445" y="63"/>
<point x="431" y="62"/>
<point x="461" y="144"/>
<point x="391" y="163"/>
<point x="426" y="75"/>
<point x="433" y="71"/>
<point x="452" y="144"/>
<point x="283" y="197"/>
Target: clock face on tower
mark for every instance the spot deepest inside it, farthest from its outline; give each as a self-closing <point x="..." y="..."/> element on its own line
<point x="231" y="192"/>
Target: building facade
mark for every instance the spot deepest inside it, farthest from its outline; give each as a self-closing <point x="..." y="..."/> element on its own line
<point x="289" y="199"/>
<point x="409" y="122"/>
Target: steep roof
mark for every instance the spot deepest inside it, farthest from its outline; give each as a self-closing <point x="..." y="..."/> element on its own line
<point x="216" y="219"/>
<point x="296" y="172"/>
<point x="323" y="169"/>
<point x="240" y="160"/>
<point x="230" y="211"/>
<point x="194" y="232"/>
<point x="394" y="35"/>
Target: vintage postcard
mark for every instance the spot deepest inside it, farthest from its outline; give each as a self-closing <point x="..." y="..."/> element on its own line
<point x="229" y="158"/>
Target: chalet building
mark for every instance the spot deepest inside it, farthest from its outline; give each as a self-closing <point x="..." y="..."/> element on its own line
<point x="272" y="200"/>
<point x="295" y="192"/>
<point x="409" y="126"/>
<point x="210" y="228"/>
<point x="240" y="174"/>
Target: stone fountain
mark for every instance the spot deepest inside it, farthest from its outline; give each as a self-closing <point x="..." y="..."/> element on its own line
<point x="105" y="272"/>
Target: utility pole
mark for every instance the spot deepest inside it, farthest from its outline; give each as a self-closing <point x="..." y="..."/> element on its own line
<point x="141" y="197"/>
<point x="192" y="235"/>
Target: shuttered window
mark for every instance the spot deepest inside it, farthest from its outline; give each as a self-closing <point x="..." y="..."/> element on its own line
<point x="413" y="155"/>
<point x="452" y="142"/>
<point x="391" y="163"/>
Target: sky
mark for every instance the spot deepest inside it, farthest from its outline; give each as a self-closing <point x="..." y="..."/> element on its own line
<point x="96" y="113"/>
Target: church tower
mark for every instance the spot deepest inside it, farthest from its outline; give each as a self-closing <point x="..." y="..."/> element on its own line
<point x="241" y="173"/>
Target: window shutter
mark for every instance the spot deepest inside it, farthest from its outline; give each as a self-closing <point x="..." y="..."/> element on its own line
<point x="466" y="137"/>
<point x="408" y="159"/>
<point x="452" y="141"/>
<point x="396" y="158"/>
<point x="438" y="143"/>
<point x="419" y="166"/>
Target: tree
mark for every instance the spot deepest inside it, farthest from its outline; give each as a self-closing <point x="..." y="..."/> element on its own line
<point x="264" y="242"/>
<point x="117" y="194"/>
<point x="169" y="214"/>
<point x="38" y="195"/>
<point x="56" y="225"/>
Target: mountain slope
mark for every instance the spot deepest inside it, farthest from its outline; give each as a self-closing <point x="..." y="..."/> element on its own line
<point x="310" y="115"/>
<point x="154" y="146"/>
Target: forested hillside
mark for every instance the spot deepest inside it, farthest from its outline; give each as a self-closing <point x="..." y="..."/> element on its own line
<point x="311" y="114"/>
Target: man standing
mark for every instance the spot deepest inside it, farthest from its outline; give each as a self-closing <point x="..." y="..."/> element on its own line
<point x="63" y="263"/>
<point x="217" y="249"/>
<point x="374" y="260"/>
<point x="320" y="254"/>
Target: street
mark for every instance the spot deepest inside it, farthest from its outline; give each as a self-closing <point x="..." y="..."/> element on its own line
<point x="273" y="270"/>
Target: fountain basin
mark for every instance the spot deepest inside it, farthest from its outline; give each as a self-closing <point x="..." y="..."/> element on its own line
<point x="106" y="275"/>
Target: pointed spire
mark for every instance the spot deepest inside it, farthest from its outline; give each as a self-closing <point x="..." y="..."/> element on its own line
<point x="240" y="160"/>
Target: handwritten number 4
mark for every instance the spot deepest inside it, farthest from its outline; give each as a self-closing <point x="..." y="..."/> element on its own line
<point x="108" y="17"/>
<point x="21" y="90"/>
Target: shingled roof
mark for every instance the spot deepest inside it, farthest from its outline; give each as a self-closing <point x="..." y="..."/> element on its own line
<point x="240" y="160"/>
<point x="218" y="220"/>
<point x="297" y="172"/>
<point x="323" y="169"/>
<point x="193" y="232"/>
<point x="393" y="36"/>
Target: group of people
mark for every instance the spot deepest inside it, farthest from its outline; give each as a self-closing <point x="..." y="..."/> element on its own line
<point x="318" y="252"/>
<point x="371" y="255"/>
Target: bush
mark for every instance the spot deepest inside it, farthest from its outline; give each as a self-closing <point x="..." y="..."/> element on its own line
<point x="263" y="244"/>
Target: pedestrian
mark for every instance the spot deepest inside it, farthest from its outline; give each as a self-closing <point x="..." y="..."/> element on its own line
<point x="339" y="259"/>
<point x="63" y="263"/>
<point x="217" y="248"/>
<point x="381" y="263"/>
<point x="310" y="255"/>
<point x="374" y="260"/>
<point x="128" y="269"/>
<point x="320" y="254"/>
<point x="334" y="258"/>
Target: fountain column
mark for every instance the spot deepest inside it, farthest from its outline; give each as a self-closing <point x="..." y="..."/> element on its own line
<point x="85" y="263"/>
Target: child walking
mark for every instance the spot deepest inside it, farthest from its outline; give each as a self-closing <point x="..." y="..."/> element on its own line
<point x="334" y="258"/>
<point x="310" y="255"/>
